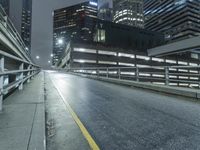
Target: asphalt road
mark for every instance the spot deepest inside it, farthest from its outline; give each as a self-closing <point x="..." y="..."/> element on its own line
<point x="123" y="118"/>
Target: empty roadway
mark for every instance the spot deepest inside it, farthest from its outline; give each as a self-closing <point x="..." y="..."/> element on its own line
<point x="124" y="118"/>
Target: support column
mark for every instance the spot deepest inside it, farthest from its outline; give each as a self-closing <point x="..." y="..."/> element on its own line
<point x="1" y="82"/>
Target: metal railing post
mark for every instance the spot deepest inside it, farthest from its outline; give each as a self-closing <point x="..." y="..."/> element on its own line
<point x="107" y="72"/>
<point x="137" y="74"/>
<point x="21" y="67"/>
<point x="119" y="73"/>
<point x="166" y="75"/>
<point x="1" y="82"/>
<point x="29" y="73"/>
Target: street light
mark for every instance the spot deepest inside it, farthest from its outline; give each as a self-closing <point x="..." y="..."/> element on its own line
<point x="60" y="41"/>
<point x="51" y="55"/>
<point x="49" y="61"/>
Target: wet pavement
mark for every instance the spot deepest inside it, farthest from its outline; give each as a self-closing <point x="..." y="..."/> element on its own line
<point x="124" y="118"/>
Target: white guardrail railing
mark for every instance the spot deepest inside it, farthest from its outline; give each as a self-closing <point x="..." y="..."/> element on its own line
<point x="183" y="76"/>
<point x="16" y="67"/>
<point x="14" y="72"/>
<point x="10" y="32"/>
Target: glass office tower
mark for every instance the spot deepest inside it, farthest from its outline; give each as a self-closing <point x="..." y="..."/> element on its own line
<point x="69" y="23"/>
<point x="177" y="19"/>
<point x="128" y="12"/>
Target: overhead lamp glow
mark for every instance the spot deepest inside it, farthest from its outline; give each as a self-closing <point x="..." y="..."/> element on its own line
<point x="37" y="57"/>
<point x="60" y="41"/>
<point x="51" y="55"/>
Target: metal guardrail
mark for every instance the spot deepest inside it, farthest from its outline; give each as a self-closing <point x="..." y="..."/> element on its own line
<point x="16" y="66"/>
<point x="184" y="76"/>
<point x="14" y="72"/>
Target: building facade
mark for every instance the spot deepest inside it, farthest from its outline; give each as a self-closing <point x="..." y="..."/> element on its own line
<point x="128" y="12"/>
<point x="177" y="19"/>
<point x="124" y="36"/>
<point x="69" y="23"/>
<point x="80" y="23"/>
<point x="20" y="13"/>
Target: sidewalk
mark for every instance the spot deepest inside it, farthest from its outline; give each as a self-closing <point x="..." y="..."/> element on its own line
<point x="22" y="122"/>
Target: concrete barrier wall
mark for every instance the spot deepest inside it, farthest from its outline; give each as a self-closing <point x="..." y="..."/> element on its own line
<point x="184" y="92"/>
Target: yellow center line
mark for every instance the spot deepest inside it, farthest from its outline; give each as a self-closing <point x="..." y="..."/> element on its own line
<point x="84" y="131"/>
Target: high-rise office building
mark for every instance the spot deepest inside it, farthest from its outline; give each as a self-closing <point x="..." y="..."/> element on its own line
<point x="105" y="10"/>
<point x="177" y="19"/>
<point x="20" y="12"/>
<point x="128" y="12"/>
<point x="69" y="23"/>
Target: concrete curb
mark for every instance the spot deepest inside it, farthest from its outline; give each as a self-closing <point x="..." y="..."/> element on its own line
<point x="190" y="93"/>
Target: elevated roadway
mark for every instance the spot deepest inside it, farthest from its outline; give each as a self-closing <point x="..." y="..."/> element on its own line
<point x="124" y="118"/>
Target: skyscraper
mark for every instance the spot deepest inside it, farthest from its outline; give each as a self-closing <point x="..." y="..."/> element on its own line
<point x="129" y="12"/>
<point x="105" y="11"/>
<point x="69" y="23"/>
<point x="20" y="12"/>
<point x="177" y="19"/>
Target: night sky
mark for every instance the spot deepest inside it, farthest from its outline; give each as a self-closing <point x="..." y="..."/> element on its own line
<point x="42" y="28"/>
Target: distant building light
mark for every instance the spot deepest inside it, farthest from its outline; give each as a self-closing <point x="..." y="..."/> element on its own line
<point x="93" y="3"/>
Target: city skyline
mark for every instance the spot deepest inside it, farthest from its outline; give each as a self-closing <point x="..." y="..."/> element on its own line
<point x="45" y="26"/>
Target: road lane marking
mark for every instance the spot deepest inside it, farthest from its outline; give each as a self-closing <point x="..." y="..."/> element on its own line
<point x="84" y="131"/>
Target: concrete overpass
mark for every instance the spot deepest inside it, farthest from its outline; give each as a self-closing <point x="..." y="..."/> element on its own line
<point x="83" y="113"/>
